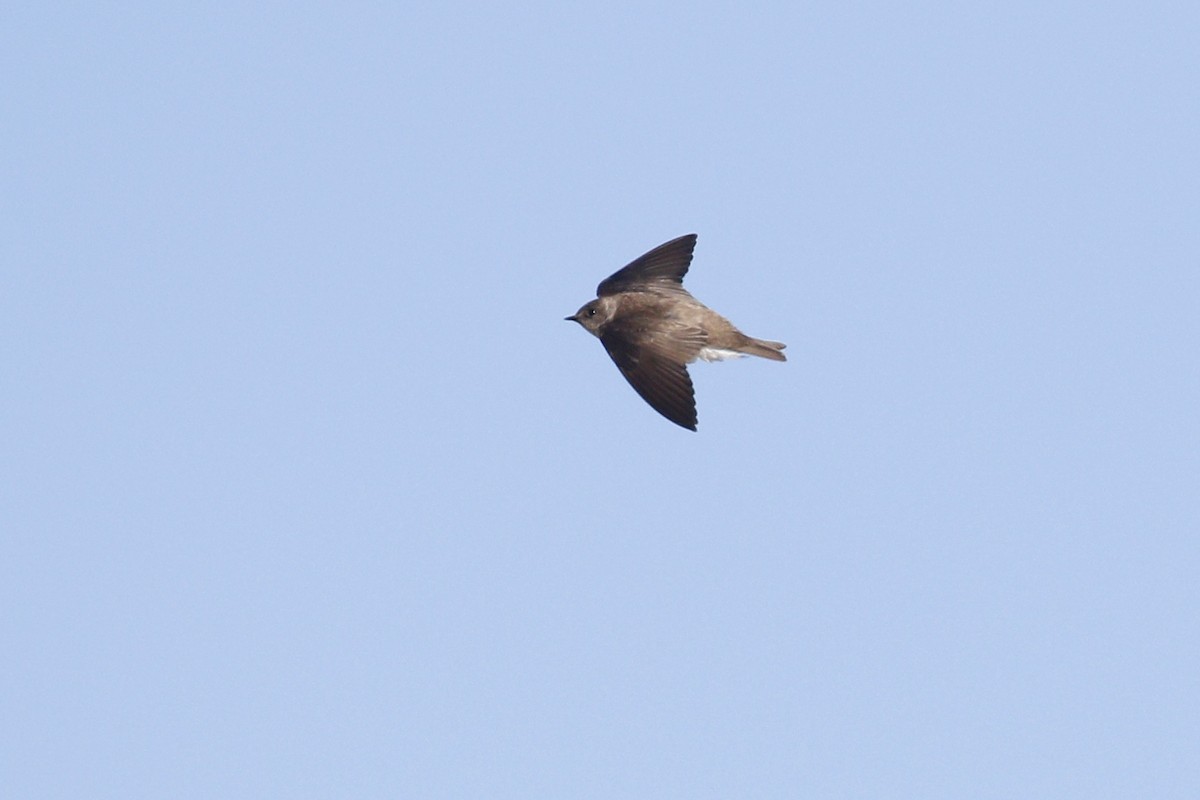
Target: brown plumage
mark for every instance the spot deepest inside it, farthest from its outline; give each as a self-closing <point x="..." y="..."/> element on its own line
<point x="652" y="328"/>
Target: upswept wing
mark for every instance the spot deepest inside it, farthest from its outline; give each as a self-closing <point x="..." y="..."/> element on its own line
<point x="661" y="268"/>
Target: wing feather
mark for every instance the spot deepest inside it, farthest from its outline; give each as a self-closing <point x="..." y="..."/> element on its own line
<point x="656" y="367"/>
<point x="661" y="268"/>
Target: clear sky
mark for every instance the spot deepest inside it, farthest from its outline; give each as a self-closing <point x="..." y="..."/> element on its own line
<point x="308" y="491"/>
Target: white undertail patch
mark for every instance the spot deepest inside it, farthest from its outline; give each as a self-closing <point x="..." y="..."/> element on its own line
<point x="717" y="354"/>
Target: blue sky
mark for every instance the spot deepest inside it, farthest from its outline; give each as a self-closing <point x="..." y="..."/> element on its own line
<point x="308" y="490"/>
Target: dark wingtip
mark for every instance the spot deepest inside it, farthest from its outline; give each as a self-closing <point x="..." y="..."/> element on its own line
<point x="689" y="424"/>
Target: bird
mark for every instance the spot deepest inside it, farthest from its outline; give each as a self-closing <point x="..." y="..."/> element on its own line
<point x="652" y="328"/>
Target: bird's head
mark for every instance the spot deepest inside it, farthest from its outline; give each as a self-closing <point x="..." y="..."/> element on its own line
<point x="595" y="315"/>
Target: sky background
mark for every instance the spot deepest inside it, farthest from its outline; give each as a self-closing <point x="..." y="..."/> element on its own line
<point x="308" y="491"/>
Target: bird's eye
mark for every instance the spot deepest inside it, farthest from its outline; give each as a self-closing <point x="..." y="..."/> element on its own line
<point x="591" y="312"/>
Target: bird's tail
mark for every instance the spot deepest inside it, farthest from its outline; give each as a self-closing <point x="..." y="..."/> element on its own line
<point x="764" y="348"/>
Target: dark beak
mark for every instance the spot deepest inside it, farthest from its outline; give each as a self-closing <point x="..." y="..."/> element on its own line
<point x="570" y="319"/>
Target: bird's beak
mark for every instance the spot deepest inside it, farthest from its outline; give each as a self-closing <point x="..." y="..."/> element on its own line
<point x="570" y="318"/>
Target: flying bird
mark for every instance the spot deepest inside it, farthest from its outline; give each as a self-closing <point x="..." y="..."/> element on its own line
<point x="653" y="328"/>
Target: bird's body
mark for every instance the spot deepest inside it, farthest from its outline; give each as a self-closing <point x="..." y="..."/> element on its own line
<point x="652" y="328"/>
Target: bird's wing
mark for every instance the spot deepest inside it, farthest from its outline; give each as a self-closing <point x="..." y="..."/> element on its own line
<point x="655" y="364"/>
<point x="661" y="268"/>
